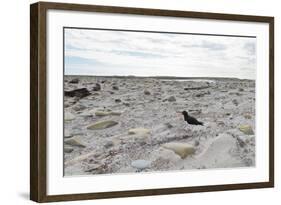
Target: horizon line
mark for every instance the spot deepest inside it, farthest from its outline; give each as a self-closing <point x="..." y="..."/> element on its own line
<point x="156" y="76"/>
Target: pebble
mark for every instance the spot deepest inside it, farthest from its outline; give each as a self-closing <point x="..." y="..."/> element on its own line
<point x="247" y="116"/>
<point x="169" y="125"/>
<point x="115" y="87"/>
<point x="108" y="144"/>
<point x="79" y="107"/>
<point x="235" y="102"/>
<point x="171" y="99"/>
<point x="139" y="131"/>
<point x="68" y="149"/>
<point x="141" y="164"/>
<point x="117" y="100"/>
<point x="126" y="104"/>
<point x="146" y="92"/>
<point x="199" y="95"/>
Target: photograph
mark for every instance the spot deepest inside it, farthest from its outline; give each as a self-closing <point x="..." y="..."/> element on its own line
<point x="149" y="101"/>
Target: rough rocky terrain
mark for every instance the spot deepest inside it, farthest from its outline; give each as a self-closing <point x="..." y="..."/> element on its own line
<point x="121" y="125"/>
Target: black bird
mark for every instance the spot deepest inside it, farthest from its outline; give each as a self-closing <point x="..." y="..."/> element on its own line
<point x="190" y="120"/>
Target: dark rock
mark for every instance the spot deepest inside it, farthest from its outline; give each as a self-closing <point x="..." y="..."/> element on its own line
<point x="146" y="92"/>
<point x="74" y="81"/>
<point x="97" y="87"/>
<point x="169" y="125"/>
<point x="80" y="93"/>
<point x="126" y="104"/>
<point x="235" y="102"/>
<point x="247" y="116"/>
<point x="199" y="95"/>
<point x="196" y="143"/>
<point x="68" y="149"/>
<point x="115" y="87"/>
<point x="235" y="93"/>
<point x="108" y="144"/>
<point x="197" y="88"/>
<point x="171" y="99"/>
<point x="117" y="100"/>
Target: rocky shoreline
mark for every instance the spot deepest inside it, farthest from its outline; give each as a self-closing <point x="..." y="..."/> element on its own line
<point x="125" y="125"/>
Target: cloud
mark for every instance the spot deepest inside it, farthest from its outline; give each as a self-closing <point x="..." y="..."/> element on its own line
<point x="101" y="52"/>
<point x="207" y="45"/>
<point x="250" y="48"/>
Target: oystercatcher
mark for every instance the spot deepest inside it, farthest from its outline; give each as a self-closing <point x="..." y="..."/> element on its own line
<point x="190" y="120"/>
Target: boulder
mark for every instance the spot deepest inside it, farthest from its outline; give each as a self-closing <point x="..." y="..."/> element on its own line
<point x="74" y="142"/>
<point x="246" y="129"/>
<point x="80" y="93"/>
<point x="182" y="149"/>
<point x="97" y="87"/>
<point x="220" y="153"/>
<point x="106" y="113"/>
<point x="74" y="81"/>
<point x="102" y="125"/>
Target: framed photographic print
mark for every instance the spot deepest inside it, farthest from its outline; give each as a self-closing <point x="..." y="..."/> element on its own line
<point x="134" y="102"/>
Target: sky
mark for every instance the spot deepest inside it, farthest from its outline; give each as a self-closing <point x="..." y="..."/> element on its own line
<point x="106" y="52"/>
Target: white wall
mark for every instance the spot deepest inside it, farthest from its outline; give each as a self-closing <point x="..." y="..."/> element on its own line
<point x="14" y="103"/>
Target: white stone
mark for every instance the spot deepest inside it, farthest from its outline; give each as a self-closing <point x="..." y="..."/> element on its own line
<point x="141" y="164"/>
